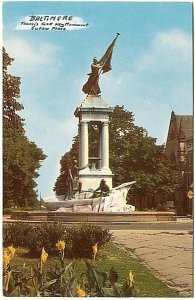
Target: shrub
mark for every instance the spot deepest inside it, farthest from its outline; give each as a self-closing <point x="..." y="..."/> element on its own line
<point x="9" y="210"/>
<point x="45" y="236"/>
<point x="17" y="234"/>
<point x="79" y="239"/>
<point x="162" y="207"/>
<point x="34" y="237"/>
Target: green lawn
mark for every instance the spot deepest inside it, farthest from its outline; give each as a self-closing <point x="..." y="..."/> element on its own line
<point x="146" y="284"/>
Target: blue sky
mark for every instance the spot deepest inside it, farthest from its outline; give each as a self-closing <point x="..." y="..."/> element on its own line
<point x="151" y="75"/>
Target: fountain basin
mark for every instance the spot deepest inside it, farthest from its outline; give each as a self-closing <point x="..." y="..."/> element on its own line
<point x="93" y="217"/>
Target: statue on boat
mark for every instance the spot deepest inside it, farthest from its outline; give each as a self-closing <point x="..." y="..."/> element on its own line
<point x="114" y="201"/>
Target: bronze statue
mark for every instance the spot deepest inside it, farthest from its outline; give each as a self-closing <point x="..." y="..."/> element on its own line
<point x="91" y="87"/>
<point x="74" y="184"/>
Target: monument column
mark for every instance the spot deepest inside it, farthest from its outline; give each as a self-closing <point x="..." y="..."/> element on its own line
<point x="95" y="110"/>
<point x="100" y="146"/>
<point x="105" y="146"/>
<point x="80" y="145"/>
<point x="84" y="144"/>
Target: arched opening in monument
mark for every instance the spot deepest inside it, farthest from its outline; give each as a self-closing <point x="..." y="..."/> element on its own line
<point x="94" y="146"/>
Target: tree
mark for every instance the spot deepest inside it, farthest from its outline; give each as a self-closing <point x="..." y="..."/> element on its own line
<point x="61" y="184"/>
<point x="11" y="92"/>
<point x="133" y="156"/>
<point x="21" y="157"/>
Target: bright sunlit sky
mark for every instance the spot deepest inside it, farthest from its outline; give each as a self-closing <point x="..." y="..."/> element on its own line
<point x="151" y="75"/>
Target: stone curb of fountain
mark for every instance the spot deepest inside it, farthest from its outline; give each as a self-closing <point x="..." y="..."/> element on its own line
<point x="183" y="220"/>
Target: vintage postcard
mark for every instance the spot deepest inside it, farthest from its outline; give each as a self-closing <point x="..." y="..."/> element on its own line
<point x="97" y="148"/>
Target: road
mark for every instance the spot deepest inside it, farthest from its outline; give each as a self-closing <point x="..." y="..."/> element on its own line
<point x="182" y="223"/>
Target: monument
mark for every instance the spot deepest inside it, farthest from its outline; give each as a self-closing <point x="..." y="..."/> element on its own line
<point x="93" y="170"/>
<point x="94" y="110"/>
<point x="84" y="205"/>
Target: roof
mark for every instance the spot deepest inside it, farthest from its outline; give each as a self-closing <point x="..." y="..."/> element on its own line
<point x="186" y="123"/>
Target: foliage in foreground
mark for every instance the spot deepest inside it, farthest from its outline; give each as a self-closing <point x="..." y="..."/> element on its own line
<point x="111" y="255"/>
<point x="79" y="239"/>
<point x="62" y="280"/>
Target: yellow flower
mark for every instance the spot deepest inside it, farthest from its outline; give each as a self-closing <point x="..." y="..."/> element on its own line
<point x="80" y="292"/>
<point x="5" y="259"/>
<point x="94" y="248"/>
<point x="60" y="245"/>
<point x="44" y="256"/>
<point x="11" y="251"/>
<point x="130" y="279"/>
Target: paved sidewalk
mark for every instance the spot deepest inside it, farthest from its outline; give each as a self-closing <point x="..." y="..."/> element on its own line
<point x="168" y="253"/>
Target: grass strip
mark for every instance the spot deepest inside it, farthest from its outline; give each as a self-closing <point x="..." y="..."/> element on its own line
<point x="146" y="284"/>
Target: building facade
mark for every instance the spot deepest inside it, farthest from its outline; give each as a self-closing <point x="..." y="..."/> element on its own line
<point x="179" y="148"/>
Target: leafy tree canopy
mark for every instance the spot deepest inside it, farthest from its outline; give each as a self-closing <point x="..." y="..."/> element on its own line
<point x="21" y="157"/>
<point x="11" y="92"/>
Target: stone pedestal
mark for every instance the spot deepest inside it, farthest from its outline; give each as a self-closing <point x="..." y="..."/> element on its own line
<point x="94" y="110"/>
